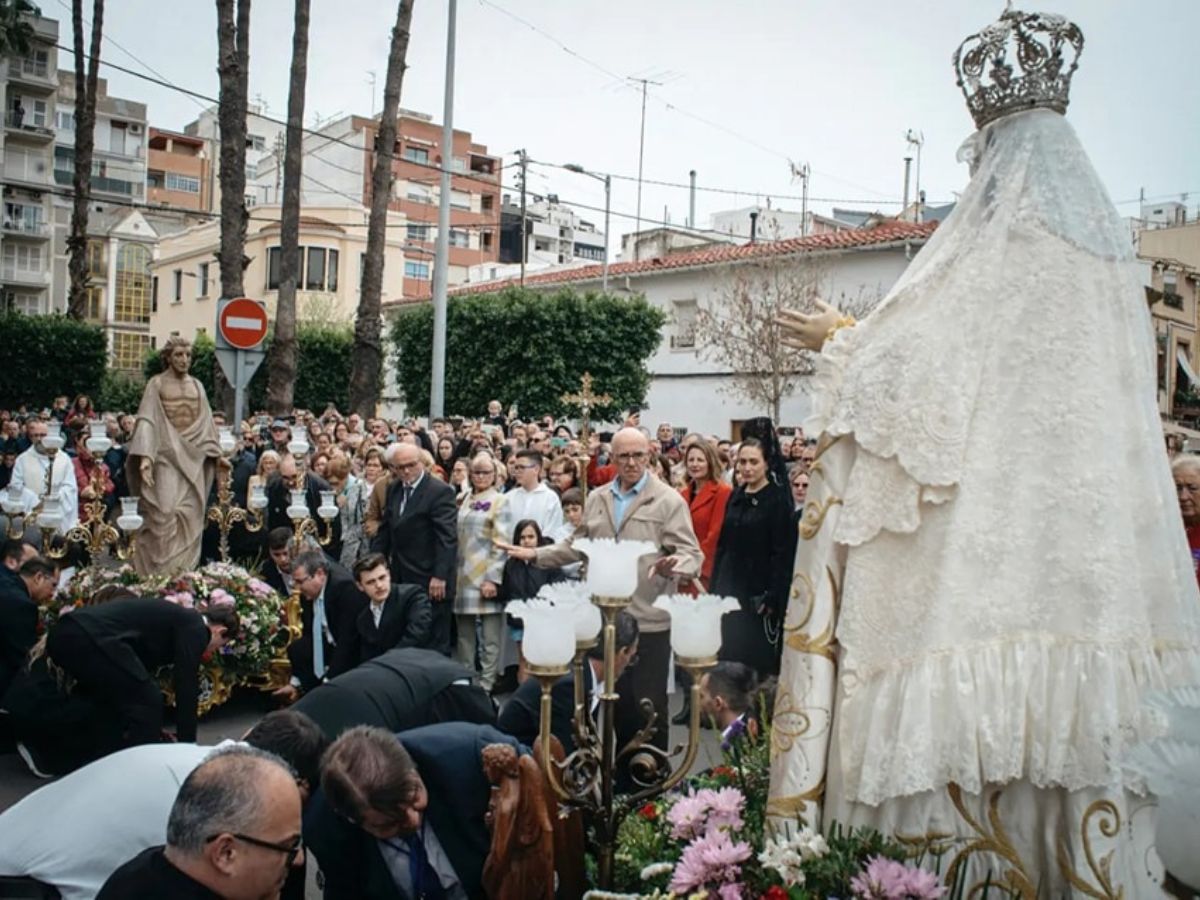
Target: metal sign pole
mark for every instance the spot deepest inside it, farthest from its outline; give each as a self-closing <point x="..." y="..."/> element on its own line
<point x="239" y="393"/>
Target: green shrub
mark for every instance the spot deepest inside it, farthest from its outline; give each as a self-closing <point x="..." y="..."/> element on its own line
<point x="46" y="356"/>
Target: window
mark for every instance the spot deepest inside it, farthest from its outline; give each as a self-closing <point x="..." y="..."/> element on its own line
<point x="459" y="238"/>
<point x="685" y="324"/>
<point x="95" y="304"/>
<point x="29" y="304"/>
<point x="133" y="284"/>
<point x="419" y="193"/>
<point x="202" y="280"/>
<point x="485" y="241"/>
<point x="416" y="154"/>
<point x="36" y="113"/>
<point x="315" y="277"/>
<point x="251" y="201"/>
<point x="256" y="142"/>
<point x="416" y="270"/>
<point x="332" y="272"/>
<point x="129" y="350"/>
<point x="178" y="276"/>
<point x="417" y="232"/>
<point x="458" y="164"/>
<point x="116" y="137"/>
<point x="154" y="293"/>
<point x="460" y="199"/>
<point x="487" y="202"/>
<point x="22" y="258"/>
<point x="185" y="183"/>
<point x="23" y="218"/>
<point x="66" y="121"/>
<point x="273" y="255"/>
<point x="97" y="259"/>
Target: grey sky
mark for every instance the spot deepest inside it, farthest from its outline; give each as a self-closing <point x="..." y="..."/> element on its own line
<point x="835" y="83"/>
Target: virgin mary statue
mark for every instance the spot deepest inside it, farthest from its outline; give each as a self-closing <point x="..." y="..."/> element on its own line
<point x="992" y="573"/>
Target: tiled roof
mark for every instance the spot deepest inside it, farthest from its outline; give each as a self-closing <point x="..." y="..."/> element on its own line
<point x="720" y="254"/>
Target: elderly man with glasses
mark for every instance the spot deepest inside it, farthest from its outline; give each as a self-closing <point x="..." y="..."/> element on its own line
<point x="635" y="506"/>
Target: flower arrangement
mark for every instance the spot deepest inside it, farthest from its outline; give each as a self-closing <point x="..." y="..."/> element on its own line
<point x="710" y="840"/>
<point x="85" y="584"/>
<point x="259" y="607"/>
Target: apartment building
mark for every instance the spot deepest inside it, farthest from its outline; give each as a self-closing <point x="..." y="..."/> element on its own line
<point x="179" y="171"/>
<point x="338" y="161"/>
<point x="1173" y="254"/>
<point x="30" y="85"/>
<point x="554" y="233"/>
<point x="263" y="138"/>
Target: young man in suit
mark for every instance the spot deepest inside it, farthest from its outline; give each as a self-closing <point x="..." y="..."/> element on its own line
<point x="401" y="816"/>
<point x="521" y="715"/>
<point x="330" y="603"/>
<point x="396" y="615"/>
<point x="399" y="690"/>
<point x="418" y="536"/>
<point x="277" y="570"/>
<point x="113" y="649"/>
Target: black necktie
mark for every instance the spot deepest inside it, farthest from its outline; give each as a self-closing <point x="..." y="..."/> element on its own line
<point x="425" y="881"/>
<point x="405" y="493"/>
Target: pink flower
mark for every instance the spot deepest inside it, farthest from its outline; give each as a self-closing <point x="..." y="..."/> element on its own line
<point x="725" y="808"/>
<point x="712" y="859"/>
<point x="182" y="598"/>
<point x="923" y="885"/>
<point x="886" y="879"/>
<point x="688" y="815"/>
<point x="730" y="891"/>
<point x="220" y="597"/>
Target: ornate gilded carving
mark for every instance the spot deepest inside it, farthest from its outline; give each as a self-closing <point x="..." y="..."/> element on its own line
<point x="1017" y="879"/>
<point x="788" y="723"/>
<point x="793" y="807"/>
<point x="1109" y="825"/>
<point x="814" y="515"/>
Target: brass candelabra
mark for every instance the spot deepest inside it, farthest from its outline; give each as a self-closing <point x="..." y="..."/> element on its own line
<point x="225" y="513"/>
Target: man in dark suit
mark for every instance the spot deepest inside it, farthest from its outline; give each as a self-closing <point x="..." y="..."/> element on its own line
<point x="277" y="570"/>
<point x="21" y="593"/>
<point x="279" y="498"/>
<point x="521" y="715"/>
<point x="397" y="615"/>
<point x="399" y="690"/>
<point x="402" y="816"/>
<point x="112" y="650"/>
<point x="418" y="535"/>
<point x="330" y="603"/>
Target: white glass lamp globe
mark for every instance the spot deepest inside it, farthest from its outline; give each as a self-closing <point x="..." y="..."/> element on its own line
<point x="695" y="623"/>
<point x="613" y="566"/>
<point x="575" y="601"/>
<point x="549" y="641"/>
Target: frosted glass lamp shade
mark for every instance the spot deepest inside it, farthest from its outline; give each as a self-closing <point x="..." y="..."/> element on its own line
<point x="98" y="443"/>
<point x="298" y="445"/>
<point x="695" y="622"/>
<point x="612" y="569"/>
<point x="225" y="439"/>
<point x="258" y="497"/>
<point x="574" y="600"/>
<point x="297" y="509"/>
<point x="51" y="515"/>
<point x="549" y="640"/>
<point x="53" y="439"/>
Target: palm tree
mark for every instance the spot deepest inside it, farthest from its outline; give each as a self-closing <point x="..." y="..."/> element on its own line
<point x="16" y="31"/>
<point x="281" y="362"/>
<point x="368" y="354"/>
<point x="233" y="68"/>
<point x="85" y="136"/>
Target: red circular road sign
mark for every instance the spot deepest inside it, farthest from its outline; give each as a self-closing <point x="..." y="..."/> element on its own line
<point x="243" y="323"/>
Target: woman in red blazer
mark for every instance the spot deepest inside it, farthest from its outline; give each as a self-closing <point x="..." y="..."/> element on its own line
<point x="706" y="495"/>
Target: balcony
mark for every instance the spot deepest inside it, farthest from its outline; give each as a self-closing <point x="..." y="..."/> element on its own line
<point x="19" y="125"/>
<point x="24" y="228"/>
<point x="33" y="74"/>
<point x="26" y="171"/>
<point x="13" y="274"/>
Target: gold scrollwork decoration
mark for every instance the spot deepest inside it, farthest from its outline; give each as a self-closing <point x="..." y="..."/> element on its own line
<point x="1017" y="879"/>
<point x="932" y="843"/>
<point x="824" y="443"/>
<point x="1109" y="825"/>
<point x="788" y="722"/>
<point x="794" y="806"/>
<point x="822" y="645"/>
<point x="814" y="516"/>
<point x="802" y="590"/>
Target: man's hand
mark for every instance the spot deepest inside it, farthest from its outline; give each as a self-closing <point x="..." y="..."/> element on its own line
<point x="666" y="567"/>
<point x="525" y="554"/>
<point x="437" y="590"/>
<point x="487" y="590"/>
<point x="805" y="331"/>
<point x="286" y="695"/>
<point x="147" y="469"/>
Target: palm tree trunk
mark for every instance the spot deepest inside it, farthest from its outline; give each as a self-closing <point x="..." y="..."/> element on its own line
<point x="281" y="362"/>
<point x="233" y="67"/>
<point x="85" y="135"/>
<point x="367" y="363"/>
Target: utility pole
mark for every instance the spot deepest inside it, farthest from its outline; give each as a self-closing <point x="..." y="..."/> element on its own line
<point x="645" y="82"/>
<point x="916" y="139"/>
<point x="524" y="162"/>
<point x="907" y="169"/>
<point x="441" y="259"/>
<point x="279" y="146"/>
<point x="371" y="80"/>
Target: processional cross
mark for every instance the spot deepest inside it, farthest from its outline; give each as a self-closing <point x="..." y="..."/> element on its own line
<point x="586" y="401"/>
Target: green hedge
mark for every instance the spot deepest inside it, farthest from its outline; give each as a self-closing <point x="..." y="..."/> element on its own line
<point x="322" y="376"/>
<point x="521" y="346"/>
<point x="47" y="356"/>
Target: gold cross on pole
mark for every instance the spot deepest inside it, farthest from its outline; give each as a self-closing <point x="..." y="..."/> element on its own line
<point x="586" y="401"/>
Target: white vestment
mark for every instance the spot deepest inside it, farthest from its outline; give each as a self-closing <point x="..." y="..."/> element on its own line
<point x="993" y="570"/>
<point x="29" y="474"/>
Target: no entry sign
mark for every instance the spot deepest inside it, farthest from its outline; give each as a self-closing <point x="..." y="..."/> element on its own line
<point x="243" y="323"/>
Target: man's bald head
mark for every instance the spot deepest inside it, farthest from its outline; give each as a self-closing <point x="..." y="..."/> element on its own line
<point x="630" y="440"/>
<point x="630" y="452"/>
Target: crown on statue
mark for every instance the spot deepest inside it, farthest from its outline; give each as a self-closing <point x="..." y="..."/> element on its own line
<point x="1017" y="63"/>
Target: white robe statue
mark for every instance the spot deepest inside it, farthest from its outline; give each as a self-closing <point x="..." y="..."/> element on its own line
<point x="992" y="571"/>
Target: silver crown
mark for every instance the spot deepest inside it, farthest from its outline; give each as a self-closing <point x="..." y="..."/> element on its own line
<point x="1036" y="42"/>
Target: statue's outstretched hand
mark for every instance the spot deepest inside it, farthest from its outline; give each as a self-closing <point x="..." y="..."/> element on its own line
<point x="807" y="331"/>
<point x="147" y="470"/>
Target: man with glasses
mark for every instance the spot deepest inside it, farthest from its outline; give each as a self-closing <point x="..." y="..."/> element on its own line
<point x="279" y="498"/>
<point x="636" y="506"/>
<point x="233" y="832"/>
<point x="531" y="498"/>
<point x="29" y="475"/>
<point x="418" y="535"/>
<point x="21" y="593"/>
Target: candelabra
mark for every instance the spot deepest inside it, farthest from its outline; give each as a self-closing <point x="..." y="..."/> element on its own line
<point x="47" y="512"/>
<point x="304" y="525"/>
<point x="225" y="513"/>
<point x="555" y="643"/>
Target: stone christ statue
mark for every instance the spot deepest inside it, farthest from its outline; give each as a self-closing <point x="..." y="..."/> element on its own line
<point x="171" y="465"/>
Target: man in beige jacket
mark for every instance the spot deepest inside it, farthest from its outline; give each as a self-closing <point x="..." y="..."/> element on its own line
<point x="636" y="506"/>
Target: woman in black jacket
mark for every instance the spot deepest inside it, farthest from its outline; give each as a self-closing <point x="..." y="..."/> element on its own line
<point x="754" y="563"/>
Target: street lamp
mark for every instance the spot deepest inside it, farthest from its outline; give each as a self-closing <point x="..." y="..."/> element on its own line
<point x="607" y="179"/>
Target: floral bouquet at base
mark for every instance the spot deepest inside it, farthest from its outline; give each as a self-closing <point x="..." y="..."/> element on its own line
<point x="85" y="584"/>
<point x="259" y="607"/>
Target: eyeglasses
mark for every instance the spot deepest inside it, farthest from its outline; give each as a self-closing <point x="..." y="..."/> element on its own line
<point x="291" y="849"/>
<point x="631" y="457"/>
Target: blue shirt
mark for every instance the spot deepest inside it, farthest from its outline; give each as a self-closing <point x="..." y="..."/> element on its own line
<point x="621" y="500"/>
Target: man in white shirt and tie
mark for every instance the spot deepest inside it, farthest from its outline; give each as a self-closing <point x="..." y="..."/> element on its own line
<point x="29" y="476"/>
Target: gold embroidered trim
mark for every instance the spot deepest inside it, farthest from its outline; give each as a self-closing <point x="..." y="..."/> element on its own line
<point x="997" y="842"/>
<point x="1109" y="825"/>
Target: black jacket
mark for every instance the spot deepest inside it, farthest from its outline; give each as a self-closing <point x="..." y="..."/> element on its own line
<point x="150" y="874"/>
<point x="449" y="760"/>
<point x="159" y="633"/>
<point x="423" y="542"/>
<point x="406" y="621"/>
<point x="343" y="604"/>
<point x="521" y="714"/>
<point x="398" y="690"/>
<point x="279" y="498"/>
<point x="756" y="550"/>
<point x="18" y="625"/>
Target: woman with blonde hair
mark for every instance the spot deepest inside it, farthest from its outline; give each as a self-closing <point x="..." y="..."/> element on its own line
<point x="268" y="465"/>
